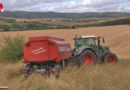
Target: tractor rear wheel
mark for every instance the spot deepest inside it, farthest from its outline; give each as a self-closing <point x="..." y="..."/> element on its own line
<point x="110" y="58"/>
<point x="87" y="58"/>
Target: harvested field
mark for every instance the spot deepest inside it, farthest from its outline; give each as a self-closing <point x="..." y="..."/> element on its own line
<point x="117" y="37"/>
<point x="98" y="77"/>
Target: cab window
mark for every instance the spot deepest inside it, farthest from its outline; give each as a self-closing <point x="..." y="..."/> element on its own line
<point x="78" y="42"/>
<point x="89" y="41"/>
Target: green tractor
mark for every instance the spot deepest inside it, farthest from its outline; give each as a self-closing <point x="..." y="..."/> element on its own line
<point x="88" y="51"/>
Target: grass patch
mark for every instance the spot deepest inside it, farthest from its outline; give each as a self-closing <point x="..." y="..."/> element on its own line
<point x="14" y="73"/>
<point x="12" y="48"/>
<point x="97" y="77"/>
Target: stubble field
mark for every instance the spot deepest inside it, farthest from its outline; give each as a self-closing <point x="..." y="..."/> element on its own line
<point x="98" y="77"/>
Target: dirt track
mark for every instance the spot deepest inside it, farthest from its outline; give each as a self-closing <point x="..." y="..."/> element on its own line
<point x="117" y="37"/>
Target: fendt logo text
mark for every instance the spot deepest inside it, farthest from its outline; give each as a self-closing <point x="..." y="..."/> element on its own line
<point x="1" y="8"/>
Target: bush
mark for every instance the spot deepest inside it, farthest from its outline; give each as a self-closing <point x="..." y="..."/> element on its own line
<point x="73" y="27"/>
<point x="12" y="48"/>
<point x="6" y="27"/>
<point x="10" y="20"/>
<point x="63" y="27"/>
<point x="17" y="27"/>
<point x="115" y="22"/>
<point x="36" y="25"/>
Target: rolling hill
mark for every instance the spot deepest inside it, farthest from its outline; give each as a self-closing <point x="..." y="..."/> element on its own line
<point x="23" y="14"/>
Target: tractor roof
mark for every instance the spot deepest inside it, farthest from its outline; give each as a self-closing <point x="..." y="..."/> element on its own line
<point x="93" y="36"/>
<point x="80" y="37"/>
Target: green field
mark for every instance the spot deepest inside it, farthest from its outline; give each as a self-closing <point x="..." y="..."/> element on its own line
<point x="9" y="24"/>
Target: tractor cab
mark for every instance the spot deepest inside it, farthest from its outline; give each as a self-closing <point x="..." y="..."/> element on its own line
<point x="90" y="41"/>
<point x="84" y="41"/>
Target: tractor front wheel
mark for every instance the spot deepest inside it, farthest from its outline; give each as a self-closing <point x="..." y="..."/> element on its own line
<point x="110" y="58"/>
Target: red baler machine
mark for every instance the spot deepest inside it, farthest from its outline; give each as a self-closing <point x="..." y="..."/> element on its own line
<point x="45" y="54"/>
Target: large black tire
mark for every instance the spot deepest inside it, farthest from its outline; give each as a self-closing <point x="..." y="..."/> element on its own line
<point x="110" y="58"/>
<point x="87" y="58"/>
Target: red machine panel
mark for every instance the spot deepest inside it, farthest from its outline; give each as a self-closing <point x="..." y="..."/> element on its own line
<point x="44" y="48"/>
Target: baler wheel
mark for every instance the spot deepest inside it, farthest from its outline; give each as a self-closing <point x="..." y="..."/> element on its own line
<point x="57" y="70"/>
<point x="27" y="70"/>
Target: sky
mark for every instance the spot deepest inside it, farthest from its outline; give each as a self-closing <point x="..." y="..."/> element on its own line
<point x="67" y="5"/>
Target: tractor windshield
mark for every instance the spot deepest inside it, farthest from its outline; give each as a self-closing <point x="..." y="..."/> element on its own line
<point x="84" y="42"/>
<point x="89" y="41"/>
<point x="78" y="42"/>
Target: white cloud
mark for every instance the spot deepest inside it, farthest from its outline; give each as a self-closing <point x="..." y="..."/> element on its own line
<point x="98" y="6"/>
<point x="101" y="5"/>
<point x="124" y="9"/>
<point x="11" y="4"/>
<point x="68" y="5"/>
<point x="100" y="2"/>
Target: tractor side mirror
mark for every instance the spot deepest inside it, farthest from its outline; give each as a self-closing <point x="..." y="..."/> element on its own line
<point x="103" y="40"/>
